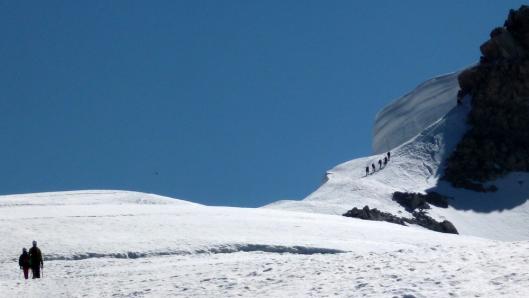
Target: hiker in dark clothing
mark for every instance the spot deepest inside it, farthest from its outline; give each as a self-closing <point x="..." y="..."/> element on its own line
<point x="23" y="262"/>
<point x="385" y="161"/>
<point x="380" y="164"/>
<point x="367" y="171"/>
<point x="389" y="155"/>
<point x="35" y="260"/>
<point x="373" y="166"/>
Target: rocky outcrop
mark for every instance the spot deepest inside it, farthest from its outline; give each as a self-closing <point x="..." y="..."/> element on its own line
<point x="412" y="201"/>
<point x="423" y="220"/>
<point x="419" y="218"/>
<point x="501" y="45"/>
<point x="498" y="87"/>
<point x="374" y="214"/>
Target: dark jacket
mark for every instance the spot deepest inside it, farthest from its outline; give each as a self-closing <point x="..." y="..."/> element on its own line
<point x="23" y="260"/>
<point x="35" y="257"/>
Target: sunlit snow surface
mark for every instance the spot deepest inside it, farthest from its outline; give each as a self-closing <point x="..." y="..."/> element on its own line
<point x="401" y="120"/>
<point x="126" y="244"/>
<point x="416" y="166"/>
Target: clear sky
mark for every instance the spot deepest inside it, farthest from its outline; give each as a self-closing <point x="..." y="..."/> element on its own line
<point x="219" y="102"/>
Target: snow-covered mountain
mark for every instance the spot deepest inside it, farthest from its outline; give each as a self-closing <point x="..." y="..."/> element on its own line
<point x="429" y="138"/>
<point x="416" y="166"/>
<point x="128" y="244"/>
<point x="410" y="114"/>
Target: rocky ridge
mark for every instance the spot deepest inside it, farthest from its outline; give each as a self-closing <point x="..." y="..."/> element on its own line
<point x="498" y="86"/>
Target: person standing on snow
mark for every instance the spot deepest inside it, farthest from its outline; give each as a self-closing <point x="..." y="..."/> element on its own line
<point x="373" y="166"/>
<point x="35" y="260"/>
<point x="23" y="262"/>
<point x="389" y="155"/>
<point x="380" y="164"/>
<point x="367" y="171"/>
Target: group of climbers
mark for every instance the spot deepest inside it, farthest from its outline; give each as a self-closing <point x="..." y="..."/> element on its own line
<point x="31" y="260"/>
<point x="381" y="163"/>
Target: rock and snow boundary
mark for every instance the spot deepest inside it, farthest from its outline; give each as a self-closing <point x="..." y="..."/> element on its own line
<point x="81" y="225"/>
<point x="127" y="244"/>
<point x="416" y="166"/>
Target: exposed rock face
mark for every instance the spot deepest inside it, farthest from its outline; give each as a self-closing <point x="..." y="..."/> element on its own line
<point x="448" y="227"/>
<point x="412" y="201"/>
<point x="501" y="45"/>
<point x="420" y="218"/>
<point x="498" y="140"/>
<point x="426" y="221"/>
<point x="373" y="214"/>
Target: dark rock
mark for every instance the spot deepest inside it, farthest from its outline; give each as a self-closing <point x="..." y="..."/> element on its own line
<point x="469" y="79"/>
<point x="518" y="23"/>
<point x="448" y="227"/>
<point x="496" y="31"/>
<point x="490" y="50"/>
<point x="436" y="199"/>
<point x="501" y="46"/>
<point x="412" y="201"/>
<point x="429" y="223"/>
<point x="373" y="214"/>
<point x="419" y="218"/>
<point x="497" y="141"/>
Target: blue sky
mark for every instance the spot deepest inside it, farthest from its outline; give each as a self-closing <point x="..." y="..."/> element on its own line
<point x="235" y="103"/>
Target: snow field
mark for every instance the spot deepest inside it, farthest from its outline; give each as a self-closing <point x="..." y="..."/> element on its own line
<point x="494" y="270"/>
<point x="136" y="245"/>
<point x="117" y="228"/>
<point x="129" y="244"/>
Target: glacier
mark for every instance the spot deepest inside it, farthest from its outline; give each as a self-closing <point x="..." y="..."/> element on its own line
<point x="407" y="116"/>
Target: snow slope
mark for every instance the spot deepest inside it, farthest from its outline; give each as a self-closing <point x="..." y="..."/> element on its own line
<point x="416" y="166"/>
<point x="407" y="116"/>
<point x="127" y="244"/>
<point x="87" y="224"/>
